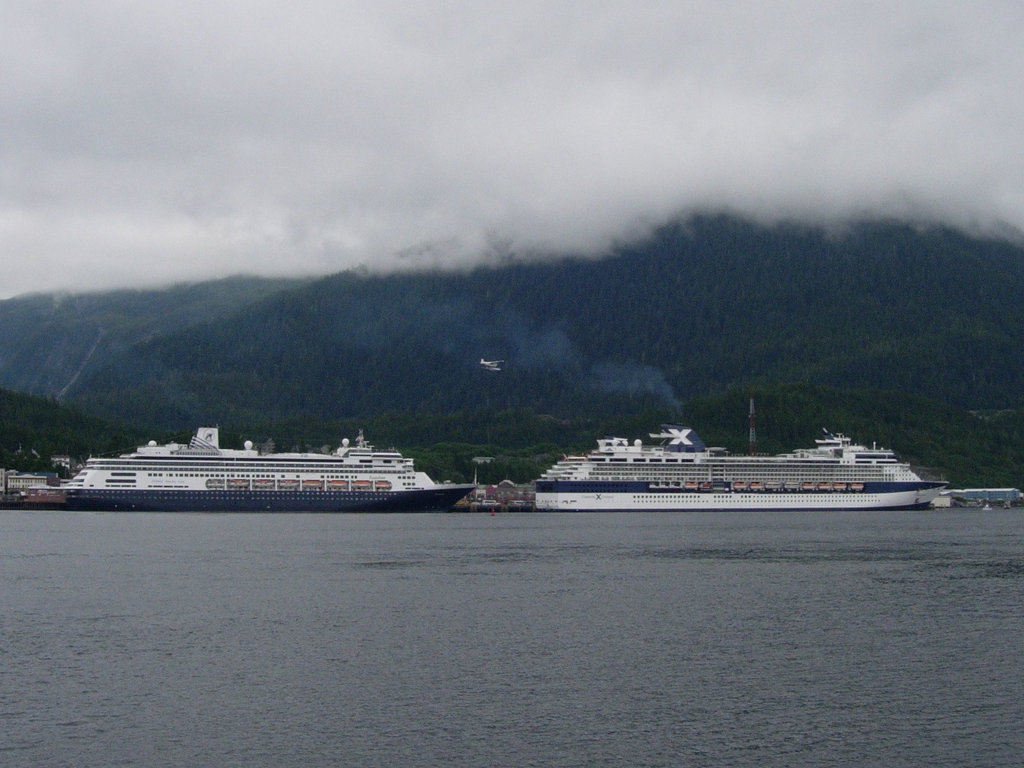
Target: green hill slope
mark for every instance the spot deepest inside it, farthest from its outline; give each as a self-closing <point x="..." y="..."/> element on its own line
<point x="51" y="341"/>
<point x="33" y="429"/>
<point x="694" y="309"/>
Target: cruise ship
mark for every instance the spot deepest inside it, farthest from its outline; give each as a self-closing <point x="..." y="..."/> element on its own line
<point x="680" y="472"/>
<point x="202" y="476"/>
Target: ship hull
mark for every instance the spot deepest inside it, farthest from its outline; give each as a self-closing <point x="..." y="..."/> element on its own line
<point x="437" y="499"/>
<point x="629" y="497"/>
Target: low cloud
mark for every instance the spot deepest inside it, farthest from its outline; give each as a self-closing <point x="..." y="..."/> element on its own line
<point x="149" y="144"/>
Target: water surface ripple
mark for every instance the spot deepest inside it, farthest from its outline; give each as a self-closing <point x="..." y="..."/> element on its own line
<point x="651" y="639"/>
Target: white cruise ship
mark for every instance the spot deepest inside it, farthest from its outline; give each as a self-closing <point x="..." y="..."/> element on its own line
<point x="202" y="476"/>
<point x="682" y="473"/>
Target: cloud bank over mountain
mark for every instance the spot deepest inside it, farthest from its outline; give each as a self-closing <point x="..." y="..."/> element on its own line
<point x="150" y="143"/>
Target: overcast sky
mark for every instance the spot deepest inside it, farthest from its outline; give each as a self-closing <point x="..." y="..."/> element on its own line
<point x="144" y="143"/>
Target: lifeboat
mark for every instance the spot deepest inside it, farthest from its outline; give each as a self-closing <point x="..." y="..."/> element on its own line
<point x="824" y="486"/>
<point x="312" y="485"/>
<point x="756" y="486"/>
<point x="690" y="485"/>
<point x="263" y="484"/>
<point x="739" y="485"/>
<point x="288" y="484"/>
<point x="838" y="486"/>
<point x="382" y="485"/>
<point x="808" y="486"/>
<point x="337" y="485"/>
<point x="856" y="486"/>
<point x="215" y="484"/>
<point x="362" y="485"/>
<point x="238" y="483"/>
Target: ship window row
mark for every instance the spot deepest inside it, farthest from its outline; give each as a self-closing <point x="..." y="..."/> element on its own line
<point x="736" y="470"/>
<point x="714" y="498"/>
<point x="131" y="476"/>
<point x="731" y="475"/>
<point x="804" y="461"/>
<point x="253" y="468"/>
<point x="264" y="460"/>
<point x="248" y="463"/>
<point x="642" y="459"/>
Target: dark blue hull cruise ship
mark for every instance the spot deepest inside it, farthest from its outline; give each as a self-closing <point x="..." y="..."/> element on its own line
<point x="204" y="477"/>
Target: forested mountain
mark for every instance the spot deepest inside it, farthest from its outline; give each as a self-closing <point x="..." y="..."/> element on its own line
<point x="50" y="340"/>
<point x="693" y="309"/>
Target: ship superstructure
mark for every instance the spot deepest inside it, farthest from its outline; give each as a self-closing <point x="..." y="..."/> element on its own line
<point x="202" y="476"/>
<point x="680" y="472"/>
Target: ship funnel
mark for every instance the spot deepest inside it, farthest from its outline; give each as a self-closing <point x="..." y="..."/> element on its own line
<point x="205" y="437"/>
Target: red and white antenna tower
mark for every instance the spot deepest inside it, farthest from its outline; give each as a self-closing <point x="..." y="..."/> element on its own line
<point x="753" y="433"/>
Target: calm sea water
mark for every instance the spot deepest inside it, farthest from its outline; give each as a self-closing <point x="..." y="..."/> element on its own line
<point x="728" y="639"/>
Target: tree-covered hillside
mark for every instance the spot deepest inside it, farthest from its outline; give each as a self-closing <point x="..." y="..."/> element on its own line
<point x="51" y="340"/>
<point x="967" y="449"/>
<point x="696" y="308"/>
<point x="33" y="429"/>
